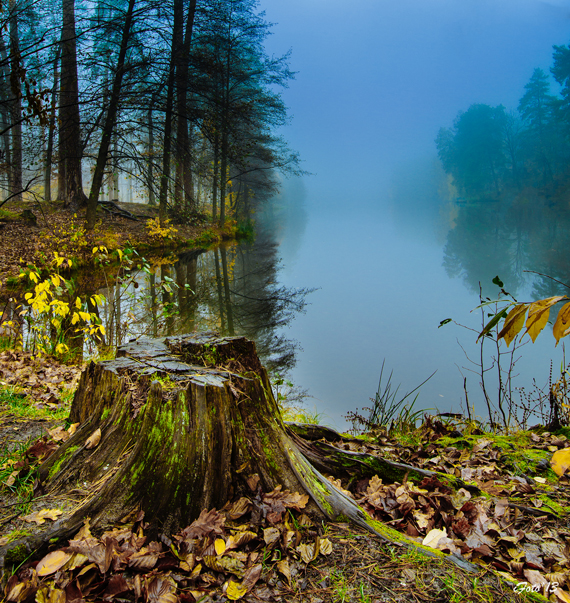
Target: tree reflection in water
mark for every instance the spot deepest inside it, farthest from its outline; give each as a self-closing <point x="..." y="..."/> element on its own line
<point x="233" y="289"/>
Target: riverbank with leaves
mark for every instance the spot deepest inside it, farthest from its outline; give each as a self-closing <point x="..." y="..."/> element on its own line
<point x="30" y="234"/>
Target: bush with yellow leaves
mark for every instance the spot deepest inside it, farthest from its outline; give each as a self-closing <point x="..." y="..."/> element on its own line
<point x="158" y="232"/>
<point x="53" y="316"/>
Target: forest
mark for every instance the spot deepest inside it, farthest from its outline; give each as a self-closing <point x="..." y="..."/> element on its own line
<point x="174" y="104"/>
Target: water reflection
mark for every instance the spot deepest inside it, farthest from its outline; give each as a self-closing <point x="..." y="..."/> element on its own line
<point x="232" y="289"/>
<point x="509" y="238"/>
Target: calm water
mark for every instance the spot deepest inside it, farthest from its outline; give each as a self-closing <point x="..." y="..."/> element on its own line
<point x="384" y="279"/>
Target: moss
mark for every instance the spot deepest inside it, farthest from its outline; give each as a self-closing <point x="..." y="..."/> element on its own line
<point x="553" y="506"/>
<point x="17" y="555"/>
<point x="59" y="464"/>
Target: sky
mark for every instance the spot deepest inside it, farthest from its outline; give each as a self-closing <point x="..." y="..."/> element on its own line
<point x="376" y="79"/>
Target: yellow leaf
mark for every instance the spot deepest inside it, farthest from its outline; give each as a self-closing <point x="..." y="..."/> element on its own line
<point x="220" y="546"/>
<point x="52" y="562"/>
<point x="39" y="517"/>
<point x="78" y="303"/>
<point x="513" y="323"/>
<point x="562" y="325"/>
<point x="95" y="249"/>
<point x="562" y="595"/>
<point x="235" y="590"/>
<point x="538" y="315"/>
<point x="75" y="318"/>
<point x="34" y="277"/>
<point x="94" y="439"/>
<point x="560" y="461"/>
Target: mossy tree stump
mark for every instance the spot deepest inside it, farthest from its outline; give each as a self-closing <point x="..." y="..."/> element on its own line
<point x="182" y="424"/>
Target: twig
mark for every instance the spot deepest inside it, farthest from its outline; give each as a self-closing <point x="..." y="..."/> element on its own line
<point x="550" y="277"/>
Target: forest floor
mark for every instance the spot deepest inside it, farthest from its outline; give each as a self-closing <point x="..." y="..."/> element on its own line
<point x="31" y="232"/>
<point x="264" y="548"/>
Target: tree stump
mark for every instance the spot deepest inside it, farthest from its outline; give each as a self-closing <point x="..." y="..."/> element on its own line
<point x="183" y="424"/>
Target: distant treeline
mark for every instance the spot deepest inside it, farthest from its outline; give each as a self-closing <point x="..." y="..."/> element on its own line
<point x="492" y="153"/>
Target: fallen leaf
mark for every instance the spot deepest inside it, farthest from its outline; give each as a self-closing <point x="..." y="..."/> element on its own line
<point x="283" y="568"/>
<point x="326" y="547"/>
<point x="94" y="439"/>
<point x="307" y="552"/>
<point x="271" y="535"/>
<point x="433" y="537"/>
<point x="562" y="595"/>
<point x="235" y="590"/>
<point x="220" y="546"/>
<point x="40" y="516"/>
<point x="560" y="461"/>
<point x="52" y="562"/>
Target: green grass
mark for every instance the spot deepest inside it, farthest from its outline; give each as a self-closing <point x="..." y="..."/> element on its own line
<point x="22" y="406"/>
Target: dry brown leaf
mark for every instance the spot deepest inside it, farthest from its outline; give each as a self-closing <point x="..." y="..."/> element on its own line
<point x="39" y="517"/>
<point x="285" y="570"/>
<point x="94" y="439"/>
<point x="252" y="575"/>
<point x="307" y="552"/>
<point x="271" y="535"/>
<point x="326" y="547"/>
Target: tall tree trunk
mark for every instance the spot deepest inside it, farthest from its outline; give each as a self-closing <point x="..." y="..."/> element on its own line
<point x="5" y="112"/>
<point x="166" y="152"/>
<point x="149" y="165"/>
<point x="183" y="163"/>
<point x="17" y="184"/>
<point x="51" y="127"/>
<point x="110" y="119"/>
<point x="70" y="150"/>
<point x="223" y="176"/>
<point x="215" y="176"/>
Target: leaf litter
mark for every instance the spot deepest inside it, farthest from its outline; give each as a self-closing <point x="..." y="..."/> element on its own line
<point x="264" y="547"/>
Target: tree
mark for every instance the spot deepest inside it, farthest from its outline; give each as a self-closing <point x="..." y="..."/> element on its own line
<point x="473" y="152"/>
<point x="110" y="120"/>
<point x="211" y="433"/>
<point x="536" y="108"/>
<point x="238" y="91"/>
<point x="70" y="146"/>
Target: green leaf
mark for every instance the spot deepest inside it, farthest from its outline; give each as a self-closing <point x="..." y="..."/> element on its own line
<point x="497" y="281"/>
<point x="492" y="323"/>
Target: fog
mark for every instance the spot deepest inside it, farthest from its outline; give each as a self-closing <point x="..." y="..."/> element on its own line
<point x="375" y="82"/>
<point x="377" y="79"/>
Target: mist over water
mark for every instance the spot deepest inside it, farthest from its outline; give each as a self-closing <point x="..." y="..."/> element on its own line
<point x="371" y="225"/>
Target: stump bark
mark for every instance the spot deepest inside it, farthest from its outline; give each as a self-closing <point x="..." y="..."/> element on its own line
<point x="182" y="424"/>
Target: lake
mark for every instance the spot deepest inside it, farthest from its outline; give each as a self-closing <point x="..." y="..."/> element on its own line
<point x="384" y="277"/>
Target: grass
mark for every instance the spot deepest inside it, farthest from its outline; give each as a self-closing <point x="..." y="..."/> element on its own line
<point x="22" y="406"/>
